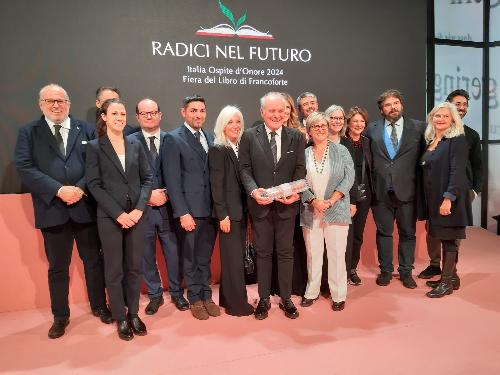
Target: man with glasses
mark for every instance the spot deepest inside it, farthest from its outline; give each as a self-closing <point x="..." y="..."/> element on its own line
<point x="159" y="220"/>
<point x="50" y="159"/>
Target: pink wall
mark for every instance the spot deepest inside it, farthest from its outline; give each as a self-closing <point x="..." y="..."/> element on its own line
<point x="23" y="278"/>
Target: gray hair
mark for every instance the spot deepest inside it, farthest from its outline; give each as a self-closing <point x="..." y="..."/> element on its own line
<point x="305" y="95"/>
<point x="330" y="110"/>
<point x="52" y="86"/>
<point x="224" y="117"/>
<point x="271" y="94"/>
<point x="314" y="118"/>
<point x="457" y="126"/>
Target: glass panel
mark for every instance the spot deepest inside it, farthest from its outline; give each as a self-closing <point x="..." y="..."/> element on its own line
<point x="459" y="19"/>
<point x="495" y="21"/>
<point x="493" y="186"/>
<point x="460" y="68"/>
<point x="494" y="101"/>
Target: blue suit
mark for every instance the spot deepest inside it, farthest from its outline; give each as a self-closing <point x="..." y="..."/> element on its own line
<point x="186" y="175"/>
<point x="43" y="171"/>
<point x="159" y="221"/>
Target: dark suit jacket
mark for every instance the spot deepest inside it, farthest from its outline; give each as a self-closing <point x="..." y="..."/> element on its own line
<point x="367" y="152"/>
<point x="166" y="210"/>
<point x="227" y="192"/>
<point x="475" y="161"/>
<point x="186" y="173"/>
<point x="43" y="171"/>
<point x="398" y="173"/>
<point x="115" y="190"/>
<point x="257" y="169"/>
<point x="448" y="179"/>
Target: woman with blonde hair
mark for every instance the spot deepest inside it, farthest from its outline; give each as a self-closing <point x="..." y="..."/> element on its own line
<point x="229" y="201"/>
<point x="446" y="200"/>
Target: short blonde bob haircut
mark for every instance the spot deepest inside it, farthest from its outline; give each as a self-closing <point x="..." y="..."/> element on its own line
<point x="223" y="119"/>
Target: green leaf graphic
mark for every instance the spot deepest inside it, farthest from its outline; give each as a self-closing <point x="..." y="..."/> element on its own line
<point x="241" y="20"/>
<point x="227" y="12"/>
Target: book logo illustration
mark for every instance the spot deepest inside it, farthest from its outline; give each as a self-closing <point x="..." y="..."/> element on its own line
<point x="235" y="28"/>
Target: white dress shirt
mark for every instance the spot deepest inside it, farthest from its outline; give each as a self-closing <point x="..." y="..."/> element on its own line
<point x="203" y="140"/>
<point x="64" y="131"/>
<point x="277" y="137"/>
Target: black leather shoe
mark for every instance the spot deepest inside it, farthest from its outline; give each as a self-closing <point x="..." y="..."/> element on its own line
<point x="104" y="314"/>
<point x="124" y="330"/>
<point x="338" y="306"/>
<point x="444" y="288"/>
<point x="289" y="308"/>
<point x="455" y="281"/>
<point x="306" y="302"/>
<point x="430" y="272"/>
<point x="262" y="308"/>
<point x="384" y="278"/>
<point x="181" y="303"/>
<point x="408" y="281"/>
<point x="58" y="328"/>
<point x="153" y="305"/>
<point x="137" y="325"/>
<point x="353" y="278"/>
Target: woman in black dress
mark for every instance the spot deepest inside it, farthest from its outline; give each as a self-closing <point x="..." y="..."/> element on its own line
<point x="447" y="204"/>
<point x="119" y="178"/>
<point x="230" y="209"/>
<point x="360" y="194"/>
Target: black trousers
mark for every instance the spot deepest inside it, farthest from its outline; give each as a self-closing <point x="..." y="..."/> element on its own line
<point x="58" y="241"/>
<point x="232" y="292"/>
<point x="384" y="214"/>
<point x="197" y="248"/>
<point x="123" y="250"/>
<point x="355" y="235"/>
<point x="268" y="232"/>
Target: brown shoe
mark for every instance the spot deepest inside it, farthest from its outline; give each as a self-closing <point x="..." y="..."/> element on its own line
<point x="198" y="310"/>
<point x="211" y="307"/>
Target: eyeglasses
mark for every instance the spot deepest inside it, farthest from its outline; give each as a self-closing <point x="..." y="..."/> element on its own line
<point x="146" y="114"/>
<point x="337" y="119"/>
<point x="54" y="101"/>
<point x="318" y="127"/>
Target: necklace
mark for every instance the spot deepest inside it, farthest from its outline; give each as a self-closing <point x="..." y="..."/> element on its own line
<point x="321" y="167"/>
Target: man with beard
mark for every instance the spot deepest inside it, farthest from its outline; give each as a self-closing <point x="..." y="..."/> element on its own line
<point x="475" y="175"/>
<point x="396" y="147"/>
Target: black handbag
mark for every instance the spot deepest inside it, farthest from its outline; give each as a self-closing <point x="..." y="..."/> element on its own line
<point x="360" y="193"/>
<point x="250" y="259"/>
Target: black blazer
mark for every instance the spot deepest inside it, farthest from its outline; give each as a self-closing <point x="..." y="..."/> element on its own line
<point x="158" y="182"/>
<point x="257" y="169"/>
<point x="115" y="190"/>
<point x="227" y="192"/>
<point x="448" y="179"/>
<point x="44" y="170"/>
<point x="367" y="152"/>
<point x="400" y="172"/>
<point x="475" y="161"/>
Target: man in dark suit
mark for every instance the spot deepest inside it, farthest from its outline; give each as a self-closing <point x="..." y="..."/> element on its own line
<point x="396" y="144"/>
<point x="307" y="103"/>
<point x="271" y="154"/>
<point x="474" y="174"/>
<point x="104" y="93"/>
<point x="158" y="217"/>
<point x="186" y="174"/>
<point x="50" y="159"/>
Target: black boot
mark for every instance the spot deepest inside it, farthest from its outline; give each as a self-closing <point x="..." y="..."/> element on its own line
<point x="445" y="285"/>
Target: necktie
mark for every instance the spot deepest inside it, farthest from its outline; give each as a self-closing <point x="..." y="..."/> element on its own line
<point x="394" y="136"/>
<point x="152" y="148"/>
<point x="274" y="147"/>
<point x="197" y="135"/>
<point x="59" y="139"/>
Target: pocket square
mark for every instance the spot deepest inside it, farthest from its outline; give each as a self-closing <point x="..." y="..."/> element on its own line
<point x="84" y="142"/>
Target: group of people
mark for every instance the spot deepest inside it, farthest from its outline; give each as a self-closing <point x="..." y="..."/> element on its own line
<point x="116" y="189"/>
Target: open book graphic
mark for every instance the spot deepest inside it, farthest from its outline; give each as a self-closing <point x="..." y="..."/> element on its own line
<point x="235" y="28"/>
<point x="225" y="29"/>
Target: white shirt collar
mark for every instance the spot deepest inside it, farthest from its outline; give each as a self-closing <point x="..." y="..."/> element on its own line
<point x="278" y="131"/>
<point x="146" y="134"/>
<point x="397" y="123"/>
<point x="193" y="130"/>
<point x="65" y="124"/>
